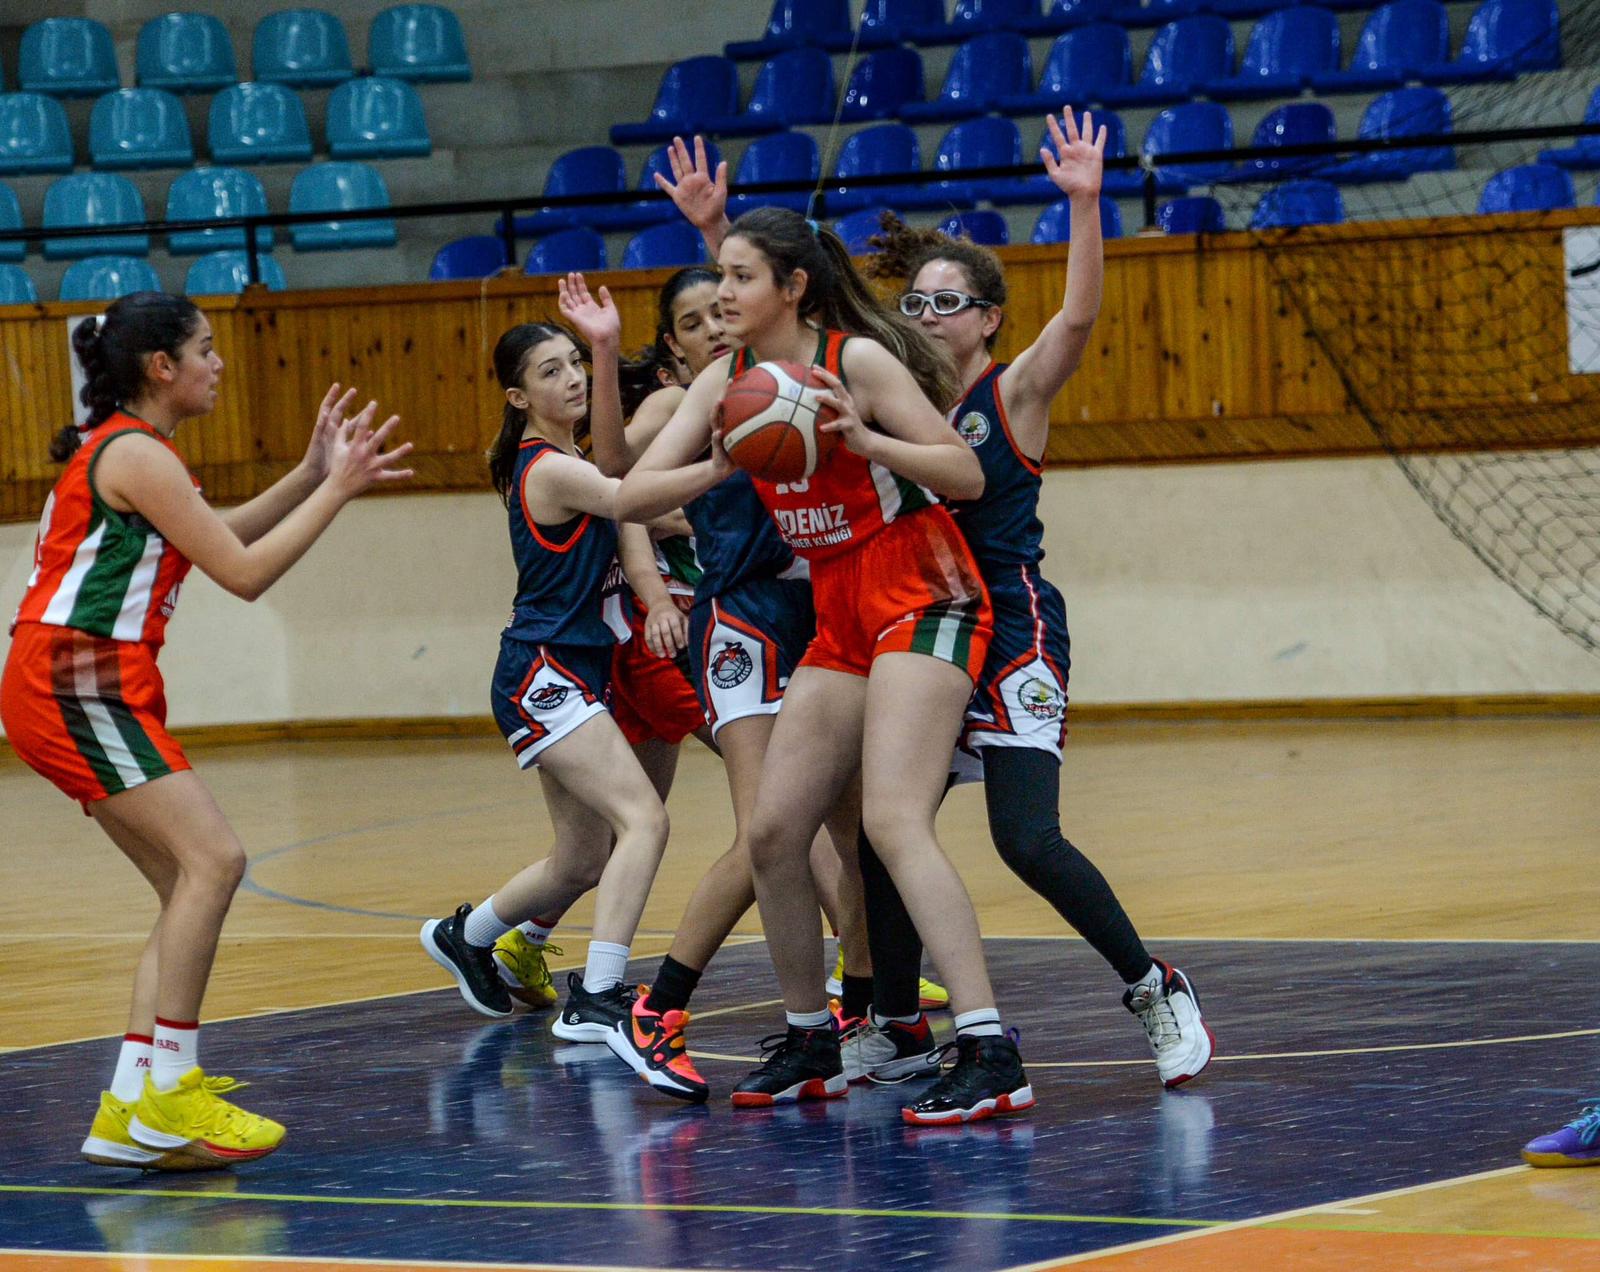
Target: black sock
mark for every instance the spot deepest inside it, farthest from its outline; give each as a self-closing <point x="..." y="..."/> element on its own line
<point x="674" y="986"/>
<point x="857" y="996"/>
<point x="891" y="936"/>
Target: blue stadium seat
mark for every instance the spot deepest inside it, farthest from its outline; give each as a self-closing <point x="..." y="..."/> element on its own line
<point x="476" y="256"/>
<point x="579" y="248"/>
<point x="205" y="194"/>
<point x="1192" y="214"/>
<point x="11" y="219"/>
<point x="16" y="288"/>
<point x="984" y="70"/>
<point x="422" y="43"/>
<point x="786" y="156"/>
<point x="1504" y="38"/>
<point x="1138" y="13"/>
<point x="1063" y="15"/>
<point x="882" y="83"/>
<point x="339" y="187"/>
<point x="1297" y="124"/>
<point x="662" y="246"/>
<point x="975" y="17"/>
<point x="376" y="118"/>
<point x="1584" y="153"/>
<point x="1402" y="112"/>
<point x="34" y="136"/>
<point x="304" y="48"/>
<point x="886" y="22"/>
<point x="1190" y="126"/>
<point x="1055" y="222"/>
<point x="139" y="128"/>
<point x="228" y="274"/>
<point x="1298" y="203"/>
<point x="988" y="142"/>
<point x="584" y="171"/>
<point x="67" y="57"/>
<point x="1083" y="64"/>
<point x="258" y="123"/>
<point x="793" y="87"/>
<point x="186" y="53"/>
<point x="858" y="227"/>
<point x="1400" y="35"/>
<point x="94" y="198"/>
<point x="1286" y="48"/>
<point x="880" y="150"/>
<point x="691" y="91"/>
<point x="107" y="278"/>
<point x="1532" y="187"/>
<point x="795" y="23"/>
<point x="982" y="226"/>
<point x="1180" y="55"/>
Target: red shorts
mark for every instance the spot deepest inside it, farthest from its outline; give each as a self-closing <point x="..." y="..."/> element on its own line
<point x="87" y="712"/>
<point x="911" y="588"/>
<point x="651" y="698"/>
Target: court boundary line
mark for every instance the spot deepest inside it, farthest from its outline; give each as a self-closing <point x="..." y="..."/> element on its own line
<point x="333" y="1260"/>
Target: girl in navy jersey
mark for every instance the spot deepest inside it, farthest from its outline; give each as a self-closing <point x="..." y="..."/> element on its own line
<point x="549" y="693"/>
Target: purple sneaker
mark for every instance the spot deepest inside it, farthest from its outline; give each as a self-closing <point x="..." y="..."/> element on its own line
<point x="1575" y="1144"/>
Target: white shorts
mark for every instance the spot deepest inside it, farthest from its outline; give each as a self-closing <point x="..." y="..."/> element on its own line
<point x="543" y="692"/>
<point x="1026" y="707"/>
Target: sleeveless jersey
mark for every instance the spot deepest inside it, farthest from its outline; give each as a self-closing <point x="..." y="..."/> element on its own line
<point x="734" y="539"/>
<point x="1001" y="526"/>
<point x="848" y="499"/>
<point x="95" y="569"/>
<point x="569" y="591"/>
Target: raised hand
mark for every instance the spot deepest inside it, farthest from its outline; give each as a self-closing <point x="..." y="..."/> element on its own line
<point x="1078" y="160"/>
<point x="357" y="460"/>
<point x="596" y="320"/>
<point x="700" y="193"/>
<point x="330" y="415"/>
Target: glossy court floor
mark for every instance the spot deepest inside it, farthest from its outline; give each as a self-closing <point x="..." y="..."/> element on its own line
<point x="1393" y="926"/>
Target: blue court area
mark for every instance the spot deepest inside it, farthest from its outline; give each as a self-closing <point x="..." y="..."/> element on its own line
<point x="419" y="1131"/>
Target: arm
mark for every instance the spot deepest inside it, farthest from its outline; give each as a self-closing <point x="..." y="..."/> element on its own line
<point x="253" y="519"/>
<point x="701" y="195"/>
<point x="671" y="472"/>
<point x="150" y="480"/>
<point x="561" y="486"/>
<point x="916" y="442"/>
<point x="1032" y="381"/>
<point x="666" y="630"/>
<point x="598" y="322"/>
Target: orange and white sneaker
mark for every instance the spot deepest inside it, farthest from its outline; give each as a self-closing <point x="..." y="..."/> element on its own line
<point x="193" y="1121"/>
<point x="654" y="1045"/>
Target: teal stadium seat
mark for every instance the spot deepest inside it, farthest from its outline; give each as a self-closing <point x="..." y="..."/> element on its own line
<point x="339" y="187"/>
<point x="11" y="219"/>
<point x="304" y="48"/>
<point x="185" y="53"/>
<point x="67" y="57"/>
<point x="34" y="136"/>
<point x="203" y="194"/>
<point x="16" y="288"/>
<point x="139" y="128"/>
<point x="422" y="43"/>
<point x="258" y="123"/>
<point x="108" y="278"/>
<point x="94" y="198"/>
<point x="376" y="118"/>
<point x="228" y="274"/>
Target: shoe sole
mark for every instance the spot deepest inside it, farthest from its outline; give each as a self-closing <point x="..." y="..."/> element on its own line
<point x="905" y="1068"/>
<point x="103" y="1152"/>
<point x="656" y="1079"/>
<point x="1018" y="1101"/>
<point x="444" y="961"/>
<point x="1559" y="1159"/>
<point x="1211" y="1051"/>
<point x="194" y="1154"/>
<point x="590" y="1032"/>
<point x="834" y="1088"/>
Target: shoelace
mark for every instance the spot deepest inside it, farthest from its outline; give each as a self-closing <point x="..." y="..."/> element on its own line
<point x="1587" y="1123"/>
<point x="220" y="1114"/>
<point x="1160" y="1022"/>
<point x="774" y="1049"/>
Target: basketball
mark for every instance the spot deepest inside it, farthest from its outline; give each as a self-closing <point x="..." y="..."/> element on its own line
<point x="770" y="418"/>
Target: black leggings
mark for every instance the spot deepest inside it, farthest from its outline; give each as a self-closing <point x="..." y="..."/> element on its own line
<point x="1022" y="787"/>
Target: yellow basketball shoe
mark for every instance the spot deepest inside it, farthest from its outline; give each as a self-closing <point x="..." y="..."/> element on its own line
<point x="193" y="1121"/>
<point x="109" y="1143"/>
<point x="523" y="969"/>
<point x="931" y="996"/>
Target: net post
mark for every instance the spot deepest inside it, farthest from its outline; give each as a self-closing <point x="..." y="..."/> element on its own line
<point x="508" y="236"/>
<point x="252" y="254"/>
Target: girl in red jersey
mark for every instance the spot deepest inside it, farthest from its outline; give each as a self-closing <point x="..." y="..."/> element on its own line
<point x="902" y="629"/>
<point x="83" y="704"/>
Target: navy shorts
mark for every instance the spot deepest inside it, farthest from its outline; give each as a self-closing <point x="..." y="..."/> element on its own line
<point x="542" y="693"/>
<point x="745" y="644"/>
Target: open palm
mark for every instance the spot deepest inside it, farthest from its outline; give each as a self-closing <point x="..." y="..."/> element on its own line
<point x="1078" y="159"/>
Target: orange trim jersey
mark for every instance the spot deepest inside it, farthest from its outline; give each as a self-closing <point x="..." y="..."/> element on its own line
<point x="95" y="569"/>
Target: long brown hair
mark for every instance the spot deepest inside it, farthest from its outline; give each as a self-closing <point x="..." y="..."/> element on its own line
<point x="510" y="358"/>
<point x="903" y="251"/>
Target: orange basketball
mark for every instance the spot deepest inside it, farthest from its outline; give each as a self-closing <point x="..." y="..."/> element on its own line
<point x="771" y="419"/>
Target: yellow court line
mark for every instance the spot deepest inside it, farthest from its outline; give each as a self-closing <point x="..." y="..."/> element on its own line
<point x="1319" y="940"/>
<point x="630" y="1207"/>
<point x="326" y="1260"/>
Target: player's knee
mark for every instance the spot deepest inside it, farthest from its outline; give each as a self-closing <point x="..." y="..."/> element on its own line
<point x="646" y="824"/>
<point x="895" y="830"/>
<point x="219" y="866"/>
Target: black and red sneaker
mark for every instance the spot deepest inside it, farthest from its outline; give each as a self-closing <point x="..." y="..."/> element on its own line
<point x="987" y="1079"/>
<point x="802" y="1064"/>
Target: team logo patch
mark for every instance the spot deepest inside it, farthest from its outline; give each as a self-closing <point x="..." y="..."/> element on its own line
<point x="731" y="667"/>
<point x="548" y="698"/>
<point x="1040" y="699"/>
<point x="974" y="428"/>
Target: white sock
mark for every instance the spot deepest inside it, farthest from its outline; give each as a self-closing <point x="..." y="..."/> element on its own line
<point x="809" y="1019"/>
<point x="133" y="1062"/>
<point x="881" y="1021"/>
<point x="983" y="1023"/>
<point x="483" y="926"/>
<point x="537" y="931"/>
<point x="605" y="967"/>
<point x="173" y="1052"/>
<point x="1150" y="982"/>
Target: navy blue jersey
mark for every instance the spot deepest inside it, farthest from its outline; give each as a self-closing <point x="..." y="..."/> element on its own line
<point x="1002" y="525"/>
<point x="562" y="570"/>
<point x="734" y="537"/>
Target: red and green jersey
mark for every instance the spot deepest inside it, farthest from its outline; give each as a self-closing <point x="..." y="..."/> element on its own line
<point x="95" y="569"/>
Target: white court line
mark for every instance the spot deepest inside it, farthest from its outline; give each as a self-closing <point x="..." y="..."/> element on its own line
<point x="328" y="1260"/>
